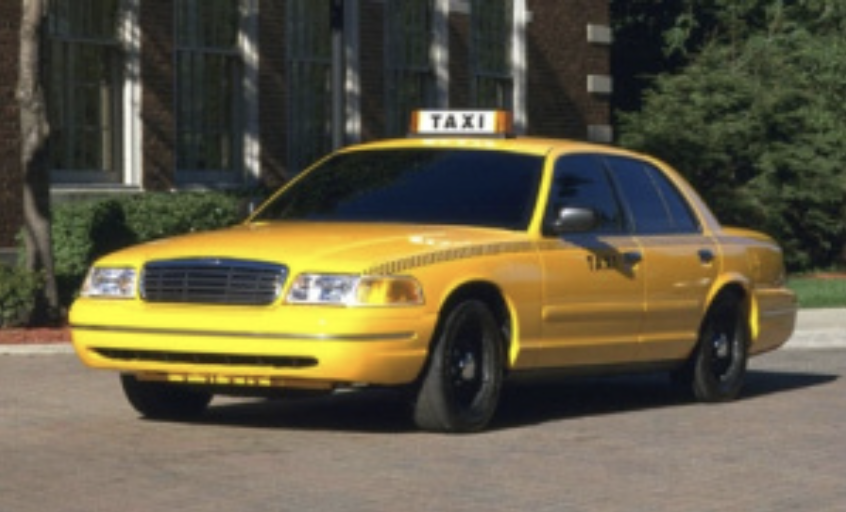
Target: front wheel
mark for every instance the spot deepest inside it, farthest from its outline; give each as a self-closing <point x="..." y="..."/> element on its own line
<point x="460" y="387"/>
<point x="718" y="367"/>
<point x="160" y="400"/>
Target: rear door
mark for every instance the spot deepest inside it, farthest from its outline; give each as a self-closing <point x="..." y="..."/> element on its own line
<point x="679" y="262"/>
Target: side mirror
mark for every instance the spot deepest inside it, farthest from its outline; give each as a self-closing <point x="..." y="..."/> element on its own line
<point x="574" y="220"/>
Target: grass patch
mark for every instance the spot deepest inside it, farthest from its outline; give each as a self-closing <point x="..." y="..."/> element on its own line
<point x="819" y="291"/>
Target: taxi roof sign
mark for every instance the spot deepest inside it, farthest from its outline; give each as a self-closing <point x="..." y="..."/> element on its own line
<point x="461" y="122"/>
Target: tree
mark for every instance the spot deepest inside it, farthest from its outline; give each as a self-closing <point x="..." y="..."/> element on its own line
<point x="35" y="132"/>
<point x="653" y="37"/>
<point x="757" y="123"/>
<point x="639" y="52"/>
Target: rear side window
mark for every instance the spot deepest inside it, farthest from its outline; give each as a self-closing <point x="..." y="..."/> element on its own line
<point x="654" y="203"/>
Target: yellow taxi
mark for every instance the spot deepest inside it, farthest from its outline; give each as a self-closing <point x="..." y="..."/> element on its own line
<point x="442" y="264"/>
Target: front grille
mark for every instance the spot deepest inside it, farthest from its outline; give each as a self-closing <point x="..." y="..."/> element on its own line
<point x="212" y="281"/>
<point x="206" y="359"/>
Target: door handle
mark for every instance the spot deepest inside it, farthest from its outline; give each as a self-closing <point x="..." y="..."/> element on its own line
<point x="706" y="256"/>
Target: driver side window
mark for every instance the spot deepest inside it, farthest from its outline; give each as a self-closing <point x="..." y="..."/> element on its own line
<point x="580" y="181"/>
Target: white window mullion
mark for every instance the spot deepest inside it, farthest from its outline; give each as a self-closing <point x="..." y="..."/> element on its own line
<point x="130" y="38"/>
<point x="352" y="73"/>
<point x="247" y="42"/>
<point x="440" y="52"/>
<point x="518" y="66"/>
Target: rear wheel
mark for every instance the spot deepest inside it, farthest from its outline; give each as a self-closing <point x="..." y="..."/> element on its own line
<point x="717" y="369"/>
<point x="460" y="387"/>
<point x="159" y="400"/>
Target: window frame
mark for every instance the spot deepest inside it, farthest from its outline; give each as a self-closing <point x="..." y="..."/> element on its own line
<point x="308" y="59"/>
<point x="408" y="60"/>
<point x="191" y="46"/>
<point x="67" y="41"/>
<point x="492" y="42"/>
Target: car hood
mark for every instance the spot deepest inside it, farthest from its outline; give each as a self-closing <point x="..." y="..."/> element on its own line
<point x="323" y="247"/>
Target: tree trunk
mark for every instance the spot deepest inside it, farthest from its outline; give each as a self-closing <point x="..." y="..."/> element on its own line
<point x="34" y="158"/>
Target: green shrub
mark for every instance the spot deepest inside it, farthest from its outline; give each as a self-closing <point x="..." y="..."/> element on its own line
<point x="18" y="289"/>
<point x="82" y="232"/>
<point x="160" y="214"/>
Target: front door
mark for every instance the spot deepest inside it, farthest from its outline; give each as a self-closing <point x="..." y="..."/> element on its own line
<point x="593" y="281"/>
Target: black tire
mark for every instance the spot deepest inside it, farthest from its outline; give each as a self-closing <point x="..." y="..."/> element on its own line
<point x="717" y="368"/>
<point x="460" y="387"/>
<point x="160" y="400"/>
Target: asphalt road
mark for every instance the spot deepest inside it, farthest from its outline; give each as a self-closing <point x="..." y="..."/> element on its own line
<point x="69" y="442"/>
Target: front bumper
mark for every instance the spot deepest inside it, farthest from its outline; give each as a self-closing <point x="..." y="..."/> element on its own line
<point x="275" y="346"/>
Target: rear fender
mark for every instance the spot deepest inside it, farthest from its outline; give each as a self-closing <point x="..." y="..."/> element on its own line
<point x="739" y="284"/>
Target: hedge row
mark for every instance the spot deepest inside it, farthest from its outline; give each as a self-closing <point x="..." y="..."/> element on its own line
<point x="18" y="289"/>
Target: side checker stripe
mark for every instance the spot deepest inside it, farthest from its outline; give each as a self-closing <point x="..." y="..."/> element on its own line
<point x="402" y="265"/>
<point x="453" y="254"/>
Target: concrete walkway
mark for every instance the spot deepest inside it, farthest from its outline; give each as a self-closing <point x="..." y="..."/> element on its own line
<point x="819" y="328"/>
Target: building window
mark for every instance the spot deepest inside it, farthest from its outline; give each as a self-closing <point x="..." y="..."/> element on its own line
<point x="209" y="73"/>
<point x="491" y="44"/>
<point x="84" y="90"/>
<point x="309" y="47"/>
<point x="410" y="77"/>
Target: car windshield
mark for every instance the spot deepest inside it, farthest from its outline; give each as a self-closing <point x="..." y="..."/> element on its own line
<point x="419" y="186"/>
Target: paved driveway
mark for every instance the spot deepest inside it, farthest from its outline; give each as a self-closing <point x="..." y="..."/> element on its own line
<point x="68" y="442"/>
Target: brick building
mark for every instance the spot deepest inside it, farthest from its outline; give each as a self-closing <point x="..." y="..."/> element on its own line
<point x="148" y="95"/>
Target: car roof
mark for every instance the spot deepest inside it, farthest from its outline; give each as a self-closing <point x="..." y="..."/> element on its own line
<point x="529" y="145"/>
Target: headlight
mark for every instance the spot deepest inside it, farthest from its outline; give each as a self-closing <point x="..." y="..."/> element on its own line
<point x="110" y="282"/>
<point x="350" y="290"/>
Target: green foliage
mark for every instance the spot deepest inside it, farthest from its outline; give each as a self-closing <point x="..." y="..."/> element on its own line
<point x="691" y="25"/>
<point x="157" y="215"/>
<point x="638" y="52"/>
<point x="82" y="232"/>
<point x="654" y="38"/>
<point x="86" y="230"/>
<point x="757" y="125"/>
<point x="18" y="290"/>
<point x="816" y="292"/>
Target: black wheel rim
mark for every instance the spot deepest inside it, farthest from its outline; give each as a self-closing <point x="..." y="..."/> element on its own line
<point x="725" y="345"/>
<point x="466" y="362"/>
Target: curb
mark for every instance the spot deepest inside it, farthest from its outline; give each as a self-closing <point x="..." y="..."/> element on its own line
<point x="819" y="329"/>
<point x="46" y="349"/>
<point x="816" y="340"/>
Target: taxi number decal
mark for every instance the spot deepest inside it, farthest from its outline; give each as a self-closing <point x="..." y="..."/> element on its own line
<point x="598" y="262"/>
